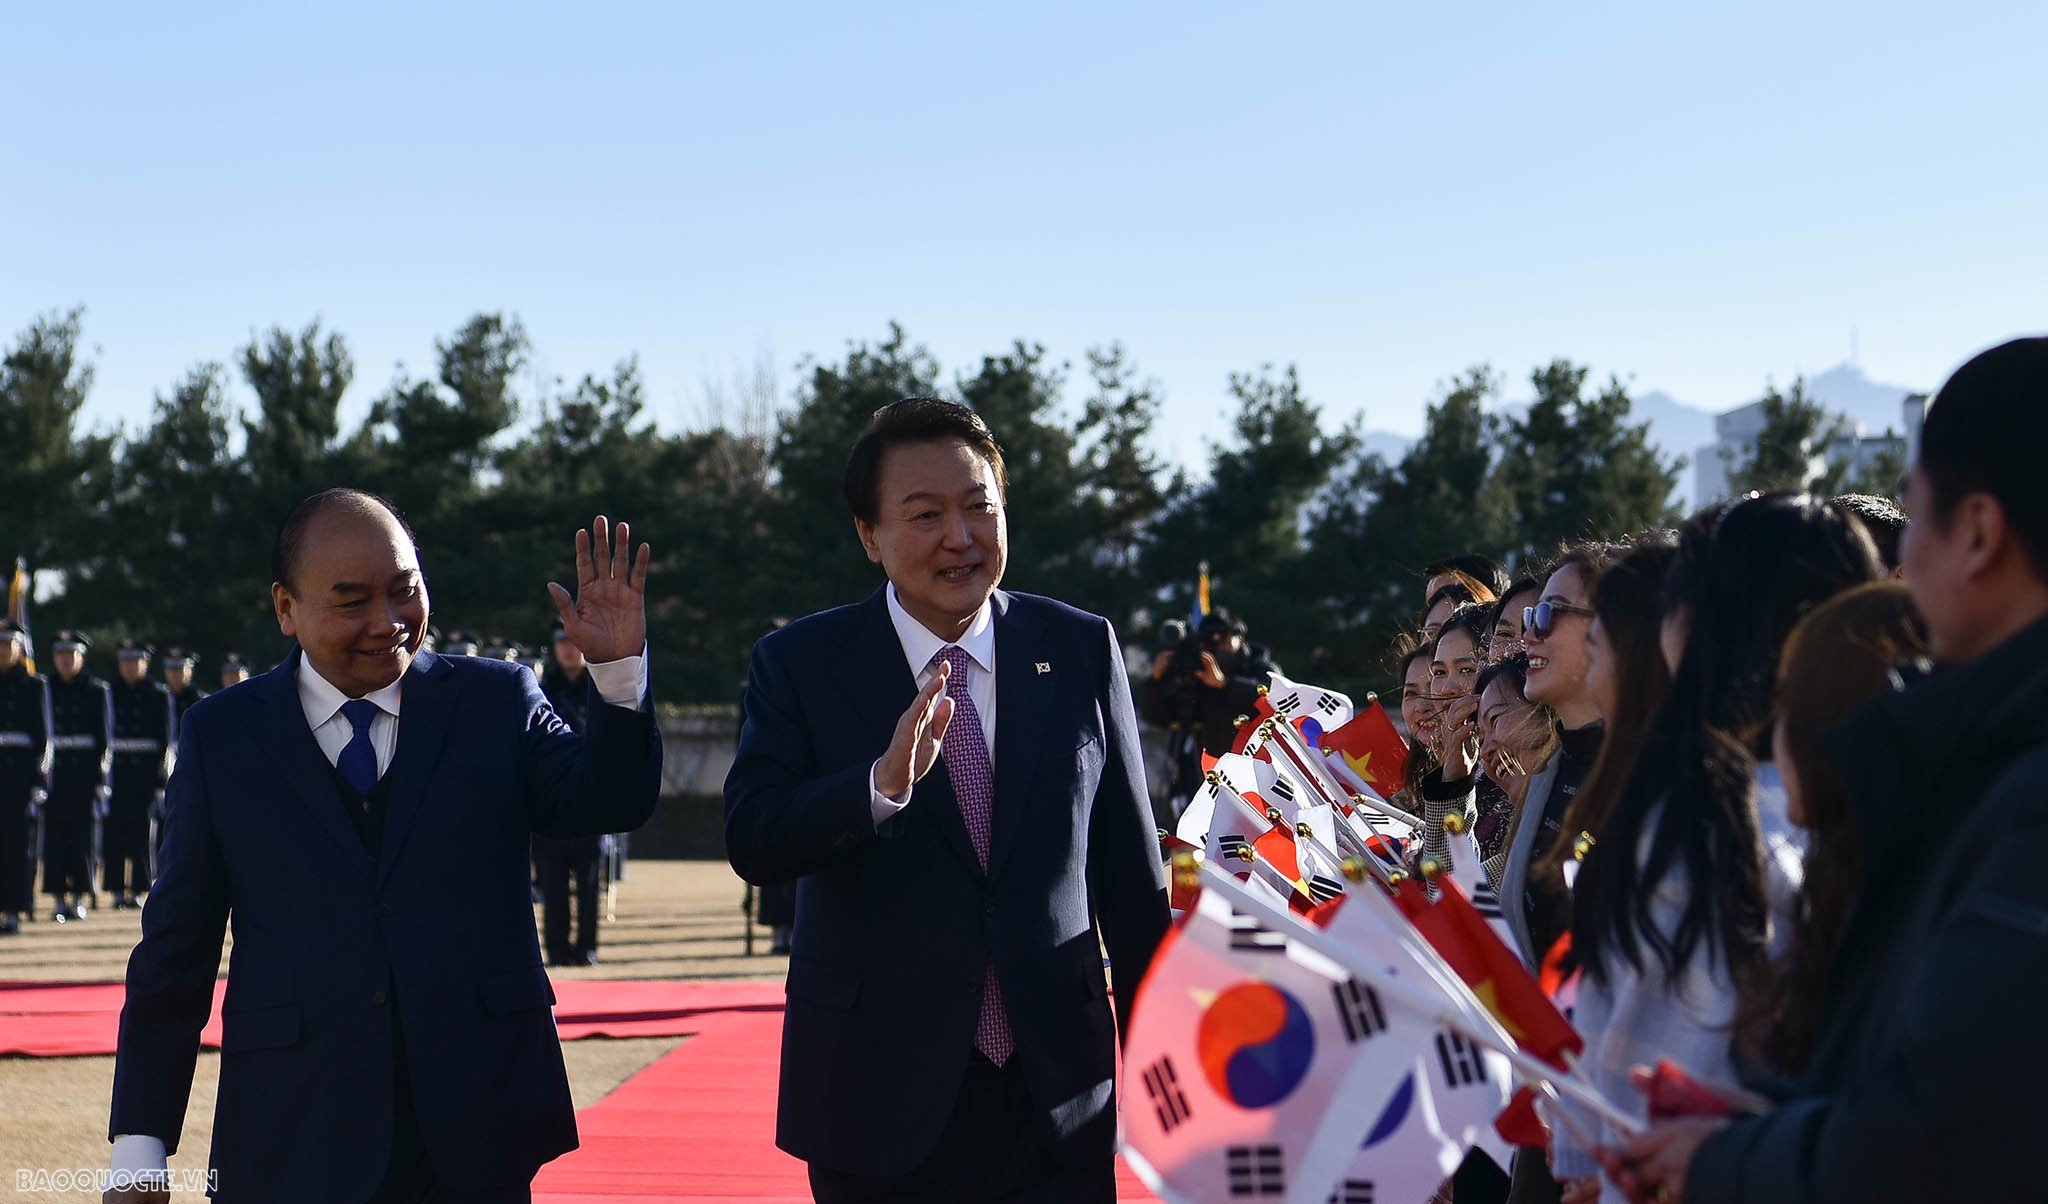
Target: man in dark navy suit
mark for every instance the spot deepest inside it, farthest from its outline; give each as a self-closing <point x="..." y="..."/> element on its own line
<point x="953" y="772"/>
<point x="362" y="813"/>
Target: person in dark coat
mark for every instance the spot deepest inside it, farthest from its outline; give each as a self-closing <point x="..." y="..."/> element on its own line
<point x="233" y="670"/>
<point x="1200" y="689"/>
<point x="24" y="773"/>
<point x="145" y="726"/>
<point x="1925" y="1078"/>
<point x="180" y="669"/>
<point x="83" y="712"/>
<point x="568" y="868"/>
<point x="953" y="772"/>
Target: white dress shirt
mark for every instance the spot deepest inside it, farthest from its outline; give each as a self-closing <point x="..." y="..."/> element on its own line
<point x="919" y="647"/>
<point x="620" y="683"/>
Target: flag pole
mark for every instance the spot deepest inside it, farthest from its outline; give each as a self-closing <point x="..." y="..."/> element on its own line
<point x="1324" y="779"/>
<point x="1468" y="1017"/>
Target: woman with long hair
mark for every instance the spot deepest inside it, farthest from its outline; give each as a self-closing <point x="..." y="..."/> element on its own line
<point x="1842" y="654"/>
<point x="1672" y="905"/>
<point x="1537" y="905"/>
<point x="1626" y="676"/>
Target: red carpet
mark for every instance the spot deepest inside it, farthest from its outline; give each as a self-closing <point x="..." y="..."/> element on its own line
<point x="55" y="1020"/>
<point x="699" y="1124"/>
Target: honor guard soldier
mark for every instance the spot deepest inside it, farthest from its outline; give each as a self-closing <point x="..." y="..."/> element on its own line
<point x="460" y="643"/>
<point x="24" y="773"/>
<point x="180" y="667"/>
<point x="232" y="671"/>
<point x="145" y="725"/>
<point x="559" y="861"/>
<point x="82" y="708"/>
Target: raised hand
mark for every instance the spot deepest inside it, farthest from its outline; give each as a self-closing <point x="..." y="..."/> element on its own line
<point x="607" y="616"/>
<point x="915" y="747"/>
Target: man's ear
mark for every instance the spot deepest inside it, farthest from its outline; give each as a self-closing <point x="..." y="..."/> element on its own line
<point x="1984" y="534"/>
<point x="866" y="531"/>
<point x="282" y="602"/>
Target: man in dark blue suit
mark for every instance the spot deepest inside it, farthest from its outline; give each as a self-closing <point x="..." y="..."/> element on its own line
<point x="953" y="773"/>
<point x="362" y="814"/>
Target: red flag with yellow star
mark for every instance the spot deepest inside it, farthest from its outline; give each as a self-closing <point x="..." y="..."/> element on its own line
<point x="1371" y="747"/>
<point x="1463" y="938"/>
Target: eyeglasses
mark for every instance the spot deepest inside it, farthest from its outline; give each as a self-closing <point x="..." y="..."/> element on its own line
<point x="1540" y="619"/>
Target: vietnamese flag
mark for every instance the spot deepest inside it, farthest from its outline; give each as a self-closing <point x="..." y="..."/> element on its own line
<point x="1371" y="747"/>
<point x="1463" y="938"/>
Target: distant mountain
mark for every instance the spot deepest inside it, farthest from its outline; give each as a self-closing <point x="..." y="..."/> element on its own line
<point x="1681" y="429"/>
<point x="1846" y="391"/>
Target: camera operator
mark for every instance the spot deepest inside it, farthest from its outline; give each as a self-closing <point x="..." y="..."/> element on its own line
<point x="1201" y="683"/>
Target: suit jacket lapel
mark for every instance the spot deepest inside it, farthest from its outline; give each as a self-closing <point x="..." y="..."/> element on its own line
<point x="1024" y="700"/>
<point x="879" y="686"/>
<point x="426" y="710"/>
<point x="290" y="745"/>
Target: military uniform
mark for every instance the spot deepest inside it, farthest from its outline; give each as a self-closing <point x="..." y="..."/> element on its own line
<point x="145" y="722"/>
<point x="232" y="671"/>
<point x="84" y="720"/>
<point x="557" y="862"/>
<point x="24" y="778"/>
<point x="178" y="658"/>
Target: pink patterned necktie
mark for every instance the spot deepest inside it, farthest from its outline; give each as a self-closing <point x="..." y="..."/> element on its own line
<point x="966" y="752"/>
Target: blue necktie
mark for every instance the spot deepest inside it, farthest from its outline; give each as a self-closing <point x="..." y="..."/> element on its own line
<point x="358" y="760"/>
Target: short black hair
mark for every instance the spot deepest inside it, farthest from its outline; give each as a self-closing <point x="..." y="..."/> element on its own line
<point x="1483" y="569"/>
<point x="1882" y="520"/>
<point x="1983" y="435"/>
<point x="291" y="537"/>
<point x="914" y="420"/>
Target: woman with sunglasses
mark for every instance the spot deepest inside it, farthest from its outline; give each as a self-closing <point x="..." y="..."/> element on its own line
<point x="1673" y="904"/>
<point x="1538" y="907"/>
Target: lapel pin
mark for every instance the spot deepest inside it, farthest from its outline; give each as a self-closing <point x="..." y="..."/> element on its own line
<point x="1044" y="667"/>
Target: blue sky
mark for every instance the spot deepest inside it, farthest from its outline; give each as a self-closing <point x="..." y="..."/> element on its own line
<point x="1699" y="200"/>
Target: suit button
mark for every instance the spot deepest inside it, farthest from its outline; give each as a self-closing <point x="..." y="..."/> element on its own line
<point x="377" y="997"/>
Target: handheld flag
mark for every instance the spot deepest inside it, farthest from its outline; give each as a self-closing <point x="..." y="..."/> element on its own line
<point x="1371" y="748"/>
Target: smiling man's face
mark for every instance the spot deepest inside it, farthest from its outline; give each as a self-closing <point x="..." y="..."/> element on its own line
<point x="357" y="603"/>
<point x="939" y="531"/>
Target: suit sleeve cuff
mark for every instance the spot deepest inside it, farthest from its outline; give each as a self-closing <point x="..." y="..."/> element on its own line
<point x="136" y="1155"/>
<point x="881" y="806"/>
<point x="623" y="682"/>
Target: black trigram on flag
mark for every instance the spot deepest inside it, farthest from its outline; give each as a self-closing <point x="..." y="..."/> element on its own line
<point x="1234" y="847"/>
<point x="1463" y="1067"/>
<point x="1288" y="705"/>
<point x="1323" y="889"/>
<point x="1486" y="903"/>
<point x="1328" y="704"/>
<point x="1163" y="1086"/>
<point x="1359" y="1007"/>
<point x="1255" y="1170"/>
<point x="1247" y="935"/>
<point x="1353" y="1191"/>
<point x="1283" y="789"/>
